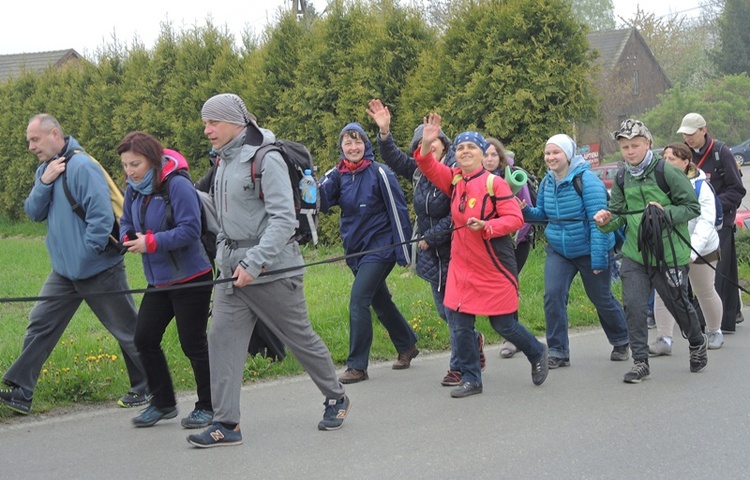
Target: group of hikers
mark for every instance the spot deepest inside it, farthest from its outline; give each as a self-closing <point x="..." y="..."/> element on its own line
<point x="474" y="229"/>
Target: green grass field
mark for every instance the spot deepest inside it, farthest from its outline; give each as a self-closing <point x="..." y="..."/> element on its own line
<point x="86" y="367"/>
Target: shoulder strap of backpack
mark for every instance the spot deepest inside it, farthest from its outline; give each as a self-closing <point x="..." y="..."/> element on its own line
<point x="660" y="180"/>
<point x="168" y="215"/>
<point x="578" y="183"/>
<point x="718" y="166"/>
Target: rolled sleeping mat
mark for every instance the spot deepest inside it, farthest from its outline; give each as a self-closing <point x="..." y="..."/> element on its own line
<point x="516" y="179"/>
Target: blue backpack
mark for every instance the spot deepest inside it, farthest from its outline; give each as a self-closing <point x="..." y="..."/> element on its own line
<point x="719" y="220"/>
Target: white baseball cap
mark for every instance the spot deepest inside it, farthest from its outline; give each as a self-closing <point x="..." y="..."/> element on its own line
<point x="691" y="123"/>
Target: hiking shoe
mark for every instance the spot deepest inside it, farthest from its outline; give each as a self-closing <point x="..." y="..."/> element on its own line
<point x="150" y="415"/>
<point x="660" y="347"/>
<point x="715" y="340"/>
<point x="507" y="349"/>
<point x="198" y="419"/>
<point x="404" y="359"/>
<point x="217" y="435"/>
<point x="482" y="358"/>
<point x="466" y="389"/>
<point x="619" y="354"/>
<point x="639" y="371"/>
<point x="451" y="379"/>
<point x="650" y="320"/>
<point x="557" y="362"/>
<point x="334" y="413"/>
<point x="540" y="368"/>
<point x="352" y="375"/>
<point x="14" y="399"/>
<point x="699" y="355"/>
<point x="132" y="399"/>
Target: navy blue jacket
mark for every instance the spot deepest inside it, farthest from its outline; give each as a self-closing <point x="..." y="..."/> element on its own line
<point x="433" y="209"/>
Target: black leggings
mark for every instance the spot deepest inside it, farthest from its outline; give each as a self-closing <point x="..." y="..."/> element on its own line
<point x="189" y="307"/>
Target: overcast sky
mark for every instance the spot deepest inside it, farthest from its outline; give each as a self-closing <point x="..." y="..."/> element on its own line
<point x="86" y="25"/>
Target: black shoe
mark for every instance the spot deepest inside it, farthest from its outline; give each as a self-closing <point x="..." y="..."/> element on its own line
<point x="466" y="389"/>
<point x="540" y="368"/>
<point x="334" y="413"/>
<point x="557" y="362"/>
<point x="699" y="355"/>
<point x="619" y="354"/>
<point x="14" y="399"/>
<point x="740" y="318"/>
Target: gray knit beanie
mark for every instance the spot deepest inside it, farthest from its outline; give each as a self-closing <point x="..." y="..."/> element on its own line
<point x="226" y="107"/>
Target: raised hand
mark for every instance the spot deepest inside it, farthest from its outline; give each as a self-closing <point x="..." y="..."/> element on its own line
<point x="380" y="114"/>
<point x="431" y="132"/>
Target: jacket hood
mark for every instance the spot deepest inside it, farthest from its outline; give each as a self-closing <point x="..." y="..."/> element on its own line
<point x="369" y="154"/>
<point x="171" y="162"/>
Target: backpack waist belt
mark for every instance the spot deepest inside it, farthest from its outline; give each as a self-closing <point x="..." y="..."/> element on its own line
<point x="235" y="244"/>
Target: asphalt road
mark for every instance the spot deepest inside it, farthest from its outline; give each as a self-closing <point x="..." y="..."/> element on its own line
<point x="583" y="423"/>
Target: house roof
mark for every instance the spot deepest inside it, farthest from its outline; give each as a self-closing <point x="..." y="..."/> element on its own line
<point x="610" y="45"/>
<point x="13" y="65"/>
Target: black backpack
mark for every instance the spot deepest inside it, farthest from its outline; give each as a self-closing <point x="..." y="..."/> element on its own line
<point x="298" y="159"/>
<point x="208" y="238"/>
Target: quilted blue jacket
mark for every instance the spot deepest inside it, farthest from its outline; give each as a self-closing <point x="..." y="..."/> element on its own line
<point x="560" y="200"/>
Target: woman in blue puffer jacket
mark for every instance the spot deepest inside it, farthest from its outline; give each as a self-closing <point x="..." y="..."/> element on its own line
<point x="172" y="253"/>
<point x="575" y="247"/>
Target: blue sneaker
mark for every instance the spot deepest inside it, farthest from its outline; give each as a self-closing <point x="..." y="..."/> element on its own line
<point x="334" y="413"/>
<point x="150" y="415"/>
<point x="198" y="419"/>
<point x="216" y="436"/>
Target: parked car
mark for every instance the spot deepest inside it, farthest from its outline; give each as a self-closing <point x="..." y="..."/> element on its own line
<point x="741" y="153"/>
<point x="742" y="220"/>
<point x="607" y="173"/>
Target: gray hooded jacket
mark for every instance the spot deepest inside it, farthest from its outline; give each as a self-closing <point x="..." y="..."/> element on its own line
<point x="254" y="230"/>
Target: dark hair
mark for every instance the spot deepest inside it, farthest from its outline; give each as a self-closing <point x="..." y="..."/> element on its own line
<point x="500" y="152"/>
<point x="353" y="134"/>
<point x="682" y="151"/>
<point x="144" y="144"/>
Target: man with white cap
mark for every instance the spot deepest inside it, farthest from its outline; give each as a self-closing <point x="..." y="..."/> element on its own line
<point x="254" y="238"/>
<point x="715" y="158"/>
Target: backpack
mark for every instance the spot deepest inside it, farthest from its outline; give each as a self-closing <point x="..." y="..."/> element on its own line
<point x="719" y="219"/>
<point x="658" y="172"/>
<point x="208" y="238"/>
<point x="532" y="182"/>
<point x="115" y="195"/>
<point x="298" y="159"/>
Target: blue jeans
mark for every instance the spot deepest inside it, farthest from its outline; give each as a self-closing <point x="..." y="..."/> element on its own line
<point x="559" y="273"/>
<point x="467" y="348"/>
<point x="368" y="289"/>
<point x="439" y="296"/>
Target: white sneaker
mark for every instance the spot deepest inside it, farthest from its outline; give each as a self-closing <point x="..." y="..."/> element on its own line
<point x="715" y="340"/>
<point x="659" y="347"/>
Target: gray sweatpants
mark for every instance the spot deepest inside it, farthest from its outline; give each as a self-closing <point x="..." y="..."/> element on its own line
<point x="281" y="306"/>
<point x="49" y="318"/>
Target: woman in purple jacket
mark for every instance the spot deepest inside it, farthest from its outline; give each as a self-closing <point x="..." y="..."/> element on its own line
<point x="161" y="220"/>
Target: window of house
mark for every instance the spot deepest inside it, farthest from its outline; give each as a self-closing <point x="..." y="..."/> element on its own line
<point x="635" y="82"/>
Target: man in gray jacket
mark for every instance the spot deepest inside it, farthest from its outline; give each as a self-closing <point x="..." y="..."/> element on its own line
<point x="257" y="218"/>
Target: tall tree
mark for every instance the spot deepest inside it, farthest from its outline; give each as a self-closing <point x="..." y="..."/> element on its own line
<point x="517" y="70"/>
<point x="597" y="14"/>
<point x="733" y="54"/>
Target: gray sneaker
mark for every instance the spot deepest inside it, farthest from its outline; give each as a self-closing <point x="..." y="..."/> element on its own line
<point x="640" y="371"/>
<point x="715" y="340"/>
<point x="659" y="347"/>
<point x="699" y="356"/>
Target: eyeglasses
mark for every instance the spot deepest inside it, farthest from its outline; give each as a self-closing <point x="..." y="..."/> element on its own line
<point x="462" y="203"/>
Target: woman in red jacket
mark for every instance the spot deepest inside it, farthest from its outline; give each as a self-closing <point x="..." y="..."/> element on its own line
<point x="482" y="274"/>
